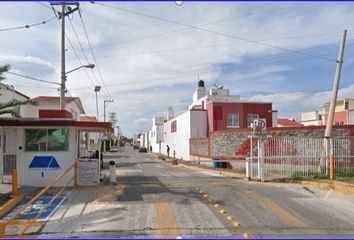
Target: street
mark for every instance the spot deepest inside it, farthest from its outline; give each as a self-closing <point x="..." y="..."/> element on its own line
<point x="155" y="199"/>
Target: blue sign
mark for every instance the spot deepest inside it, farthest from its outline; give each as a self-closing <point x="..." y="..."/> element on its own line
<point x="31" y="211"/>
<point x="44" y="162"/>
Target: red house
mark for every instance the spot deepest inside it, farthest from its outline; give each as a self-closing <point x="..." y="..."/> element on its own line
<point x="229" y="112"/>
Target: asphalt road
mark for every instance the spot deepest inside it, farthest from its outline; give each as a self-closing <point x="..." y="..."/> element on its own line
<point x="155" y="199"/>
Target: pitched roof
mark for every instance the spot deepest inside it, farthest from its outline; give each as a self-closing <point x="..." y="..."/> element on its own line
<point x="17" y="92"/>
<point x="288" y="122"/>
<point x="56" y="100"/>
<point x="51" y="99"/>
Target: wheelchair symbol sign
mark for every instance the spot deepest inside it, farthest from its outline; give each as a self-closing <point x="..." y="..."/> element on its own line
<point x="261" y="123"/>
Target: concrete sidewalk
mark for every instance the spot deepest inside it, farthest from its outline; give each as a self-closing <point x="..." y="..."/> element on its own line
<point x="323" y="183"/>
<point x="320" y="183"/>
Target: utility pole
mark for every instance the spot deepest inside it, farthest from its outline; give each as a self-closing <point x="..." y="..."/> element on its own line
<point x="328" y="131"/>
<point x="104" y="108"/>
<point x="335" y="86"/>
<point x="97" y="89"/>
<point x="112" y="119"/>
<point x="62" y="15"/>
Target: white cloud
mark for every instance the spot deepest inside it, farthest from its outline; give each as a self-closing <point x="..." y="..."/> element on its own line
<point x="142" y="121"/>
<point x="292" y="104"/>
<point x="146" y="76"/>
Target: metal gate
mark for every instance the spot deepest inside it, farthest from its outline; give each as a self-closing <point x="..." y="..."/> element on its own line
<point x="274" y="157"/>
<point x="9" y="138"/>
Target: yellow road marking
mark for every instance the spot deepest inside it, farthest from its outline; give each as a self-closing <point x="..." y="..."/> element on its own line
<point x="247" y="235"/>
<point x="121" y="172"/>
<point x="328" y="194"/>
<point x="237" y="225"/>
<point x="166" y="218"/>
<point x="275" y="209"/>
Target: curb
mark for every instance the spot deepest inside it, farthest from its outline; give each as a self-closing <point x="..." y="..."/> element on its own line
<point x="224" y="173"/>
<point x="325" y="185"/>
<point x="11" y="204"/>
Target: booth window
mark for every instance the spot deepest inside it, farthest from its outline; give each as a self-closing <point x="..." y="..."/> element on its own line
<point x="43" y="140"/>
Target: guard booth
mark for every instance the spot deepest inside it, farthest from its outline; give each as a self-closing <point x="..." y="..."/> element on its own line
<point x="40" y="149"/>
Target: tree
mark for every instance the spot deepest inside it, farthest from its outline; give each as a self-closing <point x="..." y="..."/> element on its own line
<point x="8" y="107"/>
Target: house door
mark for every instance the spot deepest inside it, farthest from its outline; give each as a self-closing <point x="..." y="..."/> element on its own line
<point x="9" y="153"/>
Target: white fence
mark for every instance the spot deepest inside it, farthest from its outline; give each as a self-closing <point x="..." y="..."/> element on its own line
<point x="277" y="157"/>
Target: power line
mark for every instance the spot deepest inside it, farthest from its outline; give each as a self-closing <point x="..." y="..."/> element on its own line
<point x="28" y="25"/>
<point x="44" y="5"/>
<point x="216" y="32"/>
<point x="200" y="25"/>
<point x="182" y="73"/>
<point x="82" y="50"/>
<point x="189" y="48"/>
<point x="32" y="78"/>
<point x="75" y="53"/>
<point x="93" y="55"/>
<point x="34" y="86"/>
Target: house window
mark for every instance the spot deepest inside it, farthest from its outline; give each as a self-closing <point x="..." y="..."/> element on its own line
<point x="233" y="120"/>
<point x="174" y="126"/>
<point x="250" y="118"/>
<point x="44" y="140"/>
<point x="339" y="123"/>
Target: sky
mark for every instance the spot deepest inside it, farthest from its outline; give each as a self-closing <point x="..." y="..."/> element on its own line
<point x="150" y="55"/>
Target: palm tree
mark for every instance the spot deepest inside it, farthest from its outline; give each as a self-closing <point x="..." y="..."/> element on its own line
<point x="8" y="107"/>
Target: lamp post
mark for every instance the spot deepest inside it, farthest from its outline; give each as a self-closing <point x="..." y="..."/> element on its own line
<point x="62" y="85"/>
<point x="97" y="89"/>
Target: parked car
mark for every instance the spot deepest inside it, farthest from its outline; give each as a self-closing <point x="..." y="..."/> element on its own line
<point x="135" y="147"/>
<point x="114" y="149"/>
<point x="143" y="149"/>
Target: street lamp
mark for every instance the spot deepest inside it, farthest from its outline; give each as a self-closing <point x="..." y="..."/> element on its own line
<point x="104" y="107"/>
<point x="83" y="66"/>
<point x="97" y="89"/>
<point x="62" y="85"/>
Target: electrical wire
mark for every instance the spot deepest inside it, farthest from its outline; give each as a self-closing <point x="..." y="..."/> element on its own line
<point x="183" y="74"/>
<point x="31" y="78"/>
<point x="183" y="49"/>
<point x="82" y="50"/>
<point x="200" y="25"/>
<point x="93" y="55"/>
<point x="75" y="53"/>
<point x="28" y="25"/>
<point x="44" y="5"/>
<point x="217" y="32"/>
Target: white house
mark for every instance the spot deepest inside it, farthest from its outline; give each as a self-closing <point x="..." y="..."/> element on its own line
<point x="178" y="130"/>
<point x="156" y="133"/>
<point x="7" y="93"/>
<point x="72" y="105"/>
<point x="313" y="118"/>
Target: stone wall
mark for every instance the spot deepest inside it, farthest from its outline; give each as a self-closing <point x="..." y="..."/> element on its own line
<point x="199" y="147"/>
<point x="226" y="144"/>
